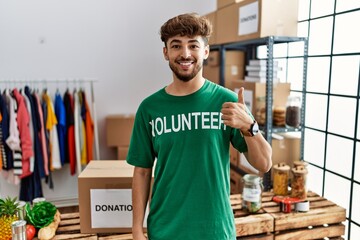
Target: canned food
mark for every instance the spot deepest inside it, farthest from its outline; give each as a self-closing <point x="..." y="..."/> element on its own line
<point x="18" y="230"/>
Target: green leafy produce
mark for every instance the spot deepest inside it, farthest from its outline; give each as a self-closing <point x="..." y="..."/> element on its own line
<point x="41" y="214"/>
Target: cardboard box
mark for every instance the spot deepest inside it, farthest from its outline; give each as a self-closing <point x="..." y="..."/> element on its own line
<point x="105" y="203"/>
<point x="122" y="152"/>
<point x="119" y="129"/>
<point x="224" y="3"/>
<point x="255" y="96"/>
<point x="234" y="67"/>
<point x="250" y="19"/>
<point x="212" y="18"/>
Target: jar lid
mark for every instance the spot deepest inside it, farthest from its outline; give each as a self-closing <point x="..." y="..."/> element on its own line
<point x="300" y="170"/>
<point x="300" y="163"/>
<point x="252" y="178"/>
<point x="281" y="167"/>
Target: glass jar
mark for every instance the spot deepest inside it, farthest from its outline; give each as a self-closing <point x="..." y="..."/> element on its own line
<point x="300" y="163"/>
<point x="293" y="110"/>
<point x="251" y="193"/>
<point x="281" y="173"/>
<point x="298" y="182"/>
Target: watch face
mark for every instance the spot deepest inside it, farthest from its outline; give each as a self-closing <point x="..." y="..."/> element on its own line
<point x="255" y="128"/>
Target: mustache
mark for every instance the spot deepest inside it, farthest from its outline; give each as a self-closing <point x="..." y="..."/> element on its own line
<point x="186" y="59"/>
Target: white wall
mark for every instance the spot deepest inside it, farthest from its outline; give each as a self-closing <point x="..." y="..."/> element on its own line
<point x="116" y="42"/>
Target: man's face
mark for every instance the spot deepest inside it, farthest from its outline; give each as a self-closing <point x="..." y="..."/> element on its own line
<point x="186" y="56"/>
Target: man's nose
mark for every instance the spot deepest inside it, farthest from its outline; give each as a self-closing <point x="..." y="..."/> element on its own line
<point x="185" y="53"/>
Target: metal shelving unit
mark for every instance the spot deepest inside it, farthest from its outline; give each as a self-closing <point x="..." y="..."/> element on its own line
<point x="250" y="47"/>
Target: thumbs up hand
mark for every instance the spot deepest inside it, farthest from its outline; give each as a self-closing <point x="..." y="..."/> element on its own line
<point x="234" y="114"/>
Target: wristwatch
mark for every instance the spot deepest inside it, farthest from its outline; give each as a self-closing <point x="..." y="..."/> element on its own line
<point x="253" y="130"/>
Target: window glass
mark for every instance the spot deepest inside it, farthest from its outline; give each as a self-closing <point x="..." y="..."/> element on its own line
<point x="320" y="36"/>
<point x="318" y="74"/>
<point x="335" y="185"/>
<point x="295" y="73"/>
<point x="303" y="12"/>
<point x="339" y="155"/>
<point x="321" y="7"/>
<point x="280" y="50"/>
<point x="357" y="163"/>
<point x="315" y="111"/>
<point x="344" y="75"/>
<point x="303" y="28"/>
<point x="355" y="230"/>
<point x="314" y="144"/>
<point x="342" y="116"/>
<point x="346" y="37"/>
<point x="356" y="205"/>
<point x="344" y="5"/>
<point x="315" y="179"/>
<point x="296" y="49"/>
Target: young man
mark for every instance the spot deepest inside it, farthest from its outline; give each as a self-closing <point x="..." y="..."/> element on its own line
<point x="187" y="127"/>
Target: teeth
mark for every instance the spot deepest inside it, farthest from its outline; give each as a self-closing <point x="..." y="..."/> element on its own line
<point x="185" y="63"/>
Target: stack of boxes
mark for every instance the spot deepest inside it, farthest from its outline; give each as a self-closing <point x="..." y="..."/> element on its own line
<point x="118" y="133"/>
<point x="256" y="71"/>
<point x="234" y="67"/>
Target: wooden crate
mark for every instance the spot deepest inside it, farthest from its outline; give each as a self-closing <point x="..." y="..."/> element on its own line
<point x="323" y="220"/>
<point x="247" y="224"/>
<point x="69" y="228"/>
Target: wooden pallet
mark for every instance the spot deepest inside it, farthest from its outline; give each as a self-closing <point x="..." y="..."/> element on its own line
<point x="69" y="228"/>
<point x="323" y="220"/>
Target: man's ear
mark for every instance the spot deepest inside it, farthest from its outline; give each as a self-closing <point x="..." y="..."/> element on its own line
<point x="165" y="54"/>
<point x="207" y="52"/>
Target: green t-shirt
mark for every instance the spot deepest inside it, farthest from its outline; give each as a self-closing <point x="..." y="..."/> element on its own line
<point x="190" y="143"/>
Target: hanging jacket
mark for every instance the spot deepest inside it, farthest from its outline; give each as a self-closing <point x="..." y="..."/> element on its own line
<point x="6" y="152"/>
<point x="51" y="121"/>
<point x="89" y="129"/>
<point x="23" y="120"/>
<point x="61" y="125"/>
<point x="70" y="134"/>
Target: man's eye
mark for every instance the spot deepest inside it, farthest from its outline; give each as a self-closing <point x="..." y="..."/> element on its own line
<point x="194" y="46"/>
<point x="175" y="46"/>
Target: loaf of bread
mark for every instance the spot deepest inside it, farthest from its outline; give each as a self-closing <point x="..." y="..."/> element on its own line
<point x="48" y="232"/>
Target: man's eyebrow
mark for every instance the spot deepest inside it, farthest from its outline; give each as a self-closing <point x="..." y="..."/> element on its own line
<point x="175" y="41"/>
<point x="190" y="41"/>
<point x="194" y="41"/>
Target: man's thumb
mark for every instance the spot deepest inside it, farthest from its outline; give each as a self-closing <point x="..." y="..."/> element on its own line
<point x="241" y="96"/>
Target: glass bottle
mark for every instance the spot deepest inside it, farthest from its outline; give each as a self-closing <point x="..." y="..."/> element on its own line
<point x="281" y="179"/>
<point x="251" y="194"/>
<point x="299" y="182"/>
<point x="293" y="112"/>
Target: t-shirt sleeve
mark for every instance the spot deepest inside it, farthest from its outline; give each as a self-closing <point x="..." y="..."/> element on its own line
<point x="141" y="152"/>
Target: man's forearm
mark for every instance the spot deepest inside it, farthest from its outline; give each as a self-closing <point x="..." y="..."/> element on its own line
<point x="140" y="196"/>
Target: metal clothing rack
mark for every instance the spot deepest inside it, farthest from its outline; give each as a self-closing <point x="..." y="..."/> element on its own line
<point x="80" y="82"/>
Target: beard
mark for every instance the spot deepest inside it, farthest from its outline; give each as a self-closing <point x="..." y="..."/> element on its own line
<point x="185" y="77"/>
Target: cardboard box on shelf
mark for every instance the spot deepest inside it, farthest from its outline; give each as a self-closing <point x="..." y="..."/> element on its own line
<point x="119" y="129"/>
<point x="224" y="3"/>
<point x="251" y="19"/>
<point x="212" y="18"/>
<point x="105" y="204"/>
<point x="122" y="152"/>
<point x="234" y="67"/>
<point x="255" y="96"/>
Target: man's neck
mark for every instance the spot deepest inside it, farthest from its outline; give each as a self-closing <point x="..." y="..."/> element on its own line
<point x="181" y="88"/>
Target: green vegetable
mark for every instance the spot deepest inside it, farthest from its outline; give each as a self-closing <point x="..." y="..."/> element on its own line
<point x="41" y="214"/>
